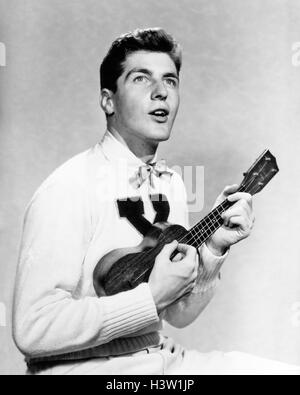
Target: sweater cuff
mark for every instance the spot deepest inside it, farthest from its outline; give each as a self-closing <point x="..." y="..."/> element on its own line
<point x="133" y="310"/>
<point x="209" y="270"/>
<point x="212" y="263"/>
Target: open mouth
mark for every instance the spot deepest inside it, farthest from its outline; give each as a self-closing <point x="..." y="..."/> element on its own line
<point x="160" y="115"/>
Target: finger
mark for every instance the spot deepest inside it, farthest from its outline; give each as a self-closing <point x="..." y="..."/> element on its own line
<point x="245" y="224"/>
<point x="239" y="222"/>
<point x="187" y="250"/>
<point x="169" y="248"/>
<point x="230" y="189"/>
<point x="184" y="248"/>
<point x="241" y="196"/>
<point x="237" y="210"/>
<point x="178" y="257"/>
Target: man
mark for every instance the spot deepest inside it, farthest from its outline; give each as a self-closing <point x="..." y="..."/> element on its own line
<point x="109" y="197"/>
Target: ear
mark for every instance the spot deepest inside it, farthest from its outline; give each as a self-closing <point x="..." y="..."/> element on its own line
<point x="106" y="101"/>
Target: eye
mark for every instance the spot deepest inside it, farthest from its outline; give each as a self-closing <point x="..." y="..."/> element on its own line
<point x="140" y="78"/>
<point x="171" y="82"/>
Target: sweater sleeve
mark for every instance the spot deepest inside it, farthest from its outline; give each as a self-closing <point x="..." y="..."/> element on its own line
<point x="48" y="319"/>
<point x="187" y="309"/>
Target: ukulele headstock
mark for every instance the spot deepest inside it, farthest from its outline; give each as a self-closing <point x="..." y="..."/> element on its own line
<point x="260" y="173"/>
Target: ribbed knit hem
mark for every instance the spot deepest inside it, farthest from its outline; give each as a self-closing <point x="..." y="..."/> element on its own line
<point x="211" y="262"/>
<point x="134" y="312"/>
<point x="116" y="347"/>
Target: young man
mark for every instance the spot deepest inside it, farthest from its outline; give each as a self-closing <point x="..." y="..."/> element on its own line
<point x="107" y="198"/>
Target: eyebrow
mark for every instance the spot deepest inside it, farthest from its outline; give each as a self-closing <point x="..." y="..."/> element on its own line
<point x="148" y="72"/>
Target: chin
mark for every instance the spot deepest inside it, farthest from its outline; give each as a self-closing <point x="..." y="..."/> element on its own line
<point x="159" y="134"/>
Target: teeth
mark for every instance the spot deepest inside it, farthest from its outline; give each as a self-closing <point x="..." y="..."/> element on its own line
<point x="160" y="113"/>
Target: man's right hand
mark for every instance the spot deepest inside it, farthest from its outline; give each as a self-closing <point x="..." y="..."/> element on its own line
<point x="170" y="280"/>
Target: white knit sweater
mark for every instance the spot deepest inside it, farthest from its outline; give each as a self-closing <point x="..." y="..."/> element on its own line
<point x="70" y="223"/>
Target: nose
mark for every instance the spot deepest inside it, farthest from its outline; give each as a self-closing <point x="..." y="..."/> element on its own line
<point x="159" y="91"/>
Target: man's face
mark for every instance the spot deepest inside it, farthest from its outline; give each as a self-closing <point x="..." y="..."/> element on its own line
<point x="147" y="97"/>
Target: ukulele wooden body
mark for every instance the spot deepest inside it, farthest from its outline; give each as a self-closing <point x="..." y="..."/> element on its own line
<point x="125" y="268"/>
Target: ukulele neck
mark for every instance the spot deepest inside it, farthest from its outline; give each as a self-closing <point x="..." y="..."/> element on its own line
<point x="205" y="228"/>
<point x="255" y="179"/>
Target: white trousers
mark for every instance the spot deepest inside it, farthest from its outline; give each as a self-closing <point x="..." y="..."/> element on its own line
<point x="173" y="359"/>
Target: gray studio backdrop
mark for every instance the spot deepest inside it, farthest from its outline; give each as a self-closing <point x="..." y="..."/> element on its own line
<point x="240" y="94"/>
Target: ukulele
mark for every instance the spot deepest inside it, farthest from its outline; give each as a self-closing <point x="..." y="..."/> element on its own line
<point x="125" y="268"/>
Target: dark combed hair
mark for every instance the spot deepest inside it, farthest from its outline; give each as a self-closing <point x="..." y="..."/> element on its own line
<point x="152" y="40"/>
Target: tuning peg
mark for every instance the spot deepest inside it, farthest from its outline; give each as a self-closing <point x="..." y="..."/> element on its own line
<point x="245" y="174"/>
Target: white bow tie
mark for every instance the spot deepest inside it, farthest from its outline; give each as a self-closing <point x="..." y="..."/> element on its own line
<point x="146" y="171"/>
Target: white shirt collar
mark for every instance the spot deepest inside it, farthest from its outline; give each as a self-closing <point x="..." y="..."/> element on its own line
<point x="114" y="150"/>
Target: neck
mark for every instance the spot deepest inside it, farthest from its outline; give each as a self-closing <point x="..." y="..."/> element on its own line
<point x="142" y="149"/>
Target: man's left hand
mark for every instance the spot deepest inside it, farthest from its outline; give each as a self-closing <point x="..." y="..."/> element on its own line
<point x="238" y="220"/>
